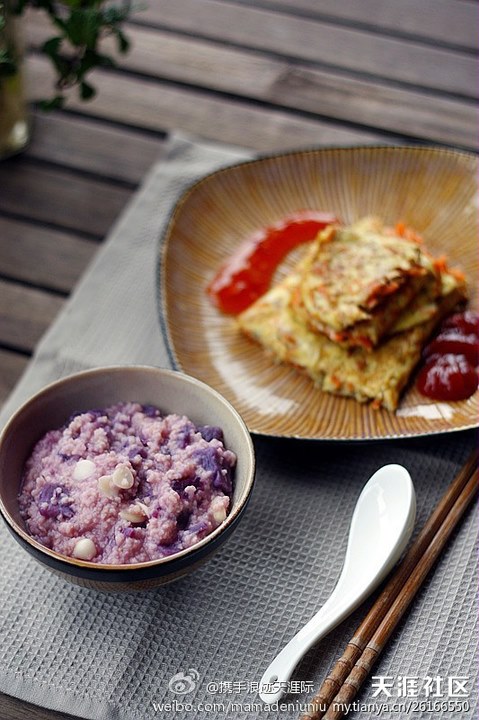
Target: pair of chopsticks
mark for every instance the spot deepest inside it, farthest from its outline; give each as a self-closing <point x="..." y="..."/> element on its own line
<point x="349" y="673"/>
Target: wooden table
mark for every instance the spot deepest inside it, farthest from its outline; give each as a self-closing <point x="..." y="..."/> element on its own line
<point x="269" y="75"/>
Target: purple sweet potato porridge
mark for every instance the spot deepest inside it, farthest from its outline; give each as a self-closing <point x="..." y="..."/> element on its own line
<point x="126" y="484"/>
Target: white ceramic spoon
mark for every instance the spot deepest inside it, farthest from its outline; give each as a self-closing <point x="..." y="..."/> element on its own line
<point x="381" y="526"/>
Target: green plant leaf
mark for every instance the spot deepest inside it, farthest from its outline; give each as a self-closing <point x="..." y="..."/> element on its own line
<point x="58" y="21"/>
<point x="52" y="46"/>
<point x="63" y="66"/>
<point x="123" y="42"/>
<point x="75" y="49"/>
<point x="83" y="27"/>
<point x="91" y="60"/>
<point x="8" y="66"/>
<point x="73" y="3"/>
<point x="53" y="104"/>
<point x="88" y="62"/>
<point x="87" y="91"/>
<point x="105" y="61"/>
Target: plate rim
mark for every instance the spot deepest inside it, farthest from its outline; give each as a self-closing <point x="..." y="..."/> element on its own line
<point x="160" y="272"/>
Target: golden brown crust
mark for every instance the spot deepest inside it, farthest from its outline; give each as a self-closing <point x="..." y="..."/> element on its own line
<point x="356" y="281"/>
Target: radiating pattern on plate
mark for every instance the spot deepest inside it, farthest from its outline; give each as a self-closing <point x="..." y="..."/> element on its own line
<point x="434" y="190"/>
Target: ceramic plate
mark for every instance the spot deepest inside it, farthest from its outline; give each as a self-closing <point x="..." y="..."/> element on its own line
<point x="434" y="190"/>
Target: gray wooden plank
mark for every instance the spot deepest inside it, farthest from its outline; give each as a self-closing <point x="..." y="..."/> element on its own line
<point x="159" y="106"/>
<point x="112" y="152"/>
<point x="163" y="55"/>
<point x="60" y="197"/>
<point x="25" y="314"/>
<point x="13" y="709"/>
<point x="12" y="365"/>
<point x="408" y="113"/>
<point x="442" y="20"/>
<point x="355" y="50"/>
<point x="304" y="88"/>
<point x="42" y="256"/>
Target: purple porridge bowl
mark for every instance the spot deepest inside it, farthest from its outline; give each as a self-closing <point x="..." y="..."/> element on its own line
<point x="172" y="392"/>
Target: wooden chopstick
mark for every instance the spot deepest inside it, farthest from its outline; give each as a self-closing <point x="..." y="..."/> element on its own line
<point x="370" y="637"/>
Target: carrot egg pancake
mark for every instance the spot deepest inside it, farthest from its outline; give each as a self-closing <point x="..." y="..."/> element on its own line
<point x="364" y="372"/>
<point x="357" y="280"/>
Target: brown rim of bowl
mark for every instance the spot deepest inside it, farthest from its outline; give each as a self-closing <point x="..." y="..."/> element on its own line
<point x="104" y="567"/>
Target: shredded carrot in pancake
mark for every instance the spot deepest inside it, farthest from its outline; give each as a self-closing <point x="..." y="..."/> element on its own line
<point x="408" y="233"/>
<point x="441" y="265"/>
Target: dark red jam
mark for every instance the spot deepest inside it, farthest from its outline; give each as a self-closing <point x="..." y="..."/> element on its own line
<point x="455" y="342"/>
<point x="248" y="273"/>
<point x="466" y="321"/>
<point x="447" y="377"/>
<point x="450" y="371"/>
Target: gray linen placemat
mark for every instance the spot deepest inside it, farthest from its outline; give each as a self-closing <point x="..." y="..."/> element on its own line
<point x="106" y="656"/>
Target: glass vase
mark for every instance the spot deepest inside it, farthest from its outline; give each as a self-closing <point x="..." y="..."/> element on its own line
<point x="14" y="116"/>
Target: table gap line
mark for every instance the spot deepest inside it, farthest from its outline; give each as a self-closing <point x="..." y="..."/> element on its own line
<point x="20" y="282"/>
<point x="48" y="224"/>
<point x="109" y="123"/>
<point x="79" y="172"/>
<point x="17" y="350"/>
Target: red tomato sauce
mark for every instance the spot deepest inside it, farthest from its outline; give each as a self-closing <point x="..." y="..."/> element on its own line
<point x="248" y="273"/>
<point x="450" y="371"/>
